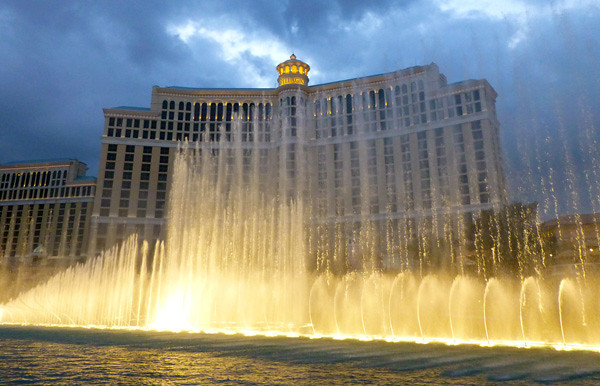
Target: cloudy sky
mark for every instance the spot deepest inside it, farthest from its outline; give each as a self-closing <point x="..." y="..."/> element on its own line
<point x="61" y="62"/>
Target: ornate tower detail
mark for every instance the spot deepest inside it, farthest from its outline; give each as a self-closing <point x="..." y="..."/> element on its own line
<point x="293" y="71"/>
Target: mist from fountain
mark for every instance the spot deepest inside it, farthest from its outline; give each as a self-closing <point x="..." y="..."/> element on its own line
<point x="240" y="256"/>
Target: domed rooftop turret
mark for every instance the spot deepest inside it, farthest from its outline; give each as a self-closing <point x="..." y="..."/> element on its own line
<point x="293" y="71"/>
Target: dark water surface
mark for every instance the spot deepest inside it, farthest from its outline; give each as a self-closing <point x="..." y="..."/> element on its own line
<point x="35" y="355"/>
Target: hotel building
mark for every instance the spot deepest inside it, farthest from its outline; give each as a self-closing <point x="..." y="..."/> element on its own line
<point x="398" y="146"/>
<point x="45" y="209"/>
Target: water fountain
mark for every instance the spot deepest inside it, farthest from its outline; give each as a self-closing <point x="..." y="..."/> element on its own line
<point x="238" y="260"/>
<point x="239" y="257"/>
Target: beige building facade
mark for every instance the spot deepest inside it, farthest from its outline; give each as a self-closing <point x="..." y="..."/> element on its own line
<point x="398" y="146"/>
<point x="45" y="210"/>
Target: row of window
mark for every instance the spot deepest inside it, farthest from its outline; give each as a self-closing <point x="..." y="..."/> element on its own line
<point x="60" y="228"/>
<point x="47" y="192"/>
<point x="216" y="112"/>
<point x="131" y="123"/>
<point x="340" y="115"/>
<point x="37" y="178"/>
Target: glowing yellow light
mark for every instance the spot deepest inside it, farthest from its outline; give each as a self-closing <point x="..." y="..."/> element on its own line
<point x="294" y="69"/>
<point x="284" y="81"/>
<point x="301" y="70"/>
<point x="287" y="69"/>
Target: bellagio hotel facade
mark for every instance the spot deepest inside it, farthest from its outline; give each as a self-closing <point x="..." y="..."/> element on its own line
<point x="397" y="146"/>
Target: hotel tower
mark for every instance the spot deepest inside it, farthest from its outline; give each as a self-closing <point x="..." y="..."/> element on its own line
<point x="404" y="147"/>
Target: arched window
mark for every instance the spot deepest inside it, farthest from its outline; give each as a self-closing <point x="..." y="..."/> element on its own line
<point x="293" y="101"/>
<point x="404" y="89"/>
<point x="251" y="112"/>
<point x="381" y="95"/>
<point x="172" y="105"/>
<point x="287" y="69"/>
<point x="204" y="112"/>
<point x="181" y="105"/>
<point x="268" y="111"/>
<point x="348" y="104"/>
<point x="196" y="111"/>
<point x="165" y="105"/>
<point x="421" y="85"/>
<point x="294" y="69"/>
<point x="245" y="111"/>
<point x="261" y="111"/>
<point x="413" y="86"/>
<point x="188" y="106"/>
<point x="213" y="111"/>
<point x="372" y="99"/>
<point x="220" y="112"/>
<point x="228" y="112"/>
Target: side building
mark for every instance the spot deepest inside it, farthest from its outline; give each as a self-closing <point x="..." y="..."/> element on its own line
<point x="45" y="210"/>
<point x="396" y="147"/>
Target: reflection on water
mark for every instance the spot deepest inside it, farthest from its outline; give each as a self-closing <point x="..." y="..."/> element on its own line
<point x="68" y="356"/>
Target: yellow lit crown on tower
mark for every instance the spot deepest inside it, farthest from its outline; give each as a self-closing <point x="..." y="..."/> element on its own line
<point x="293" y="71"/>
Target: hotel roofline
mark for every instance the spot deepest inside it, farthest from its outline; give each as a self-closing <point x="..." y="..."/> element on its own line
<point x="36" y="164"/>
<point x="267" y="93"/>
